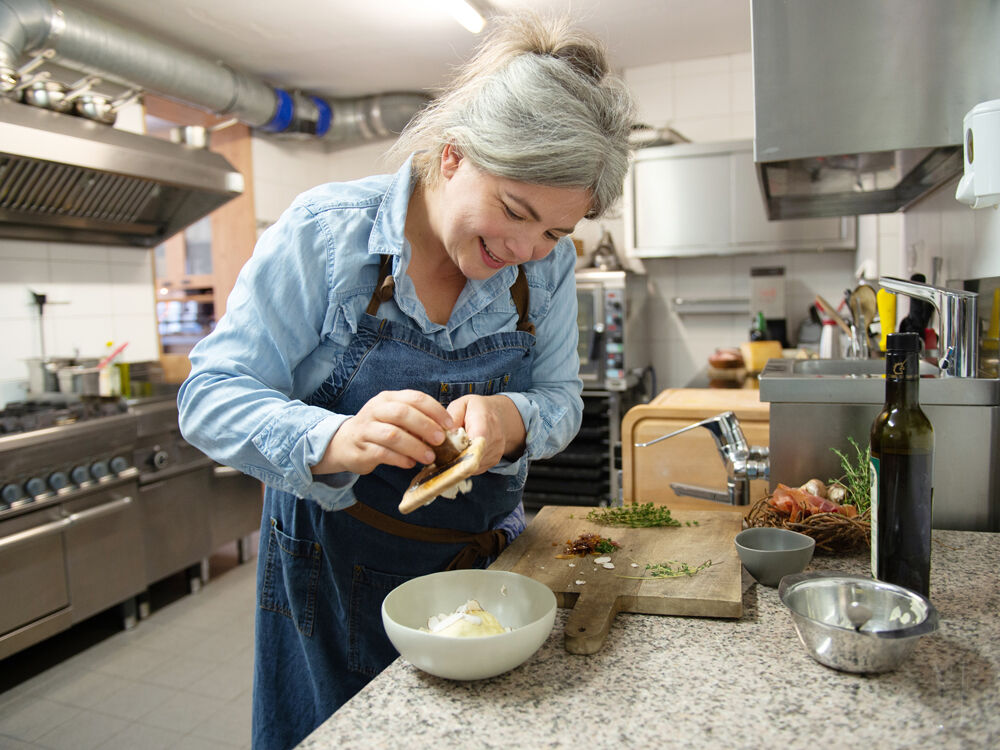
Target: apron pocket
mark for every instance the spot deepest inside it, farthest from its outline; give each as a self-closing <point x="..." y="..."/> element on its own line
<point x="291" y="574"/>
<point x="369" y="648"/>
<point x="448" y="392"/>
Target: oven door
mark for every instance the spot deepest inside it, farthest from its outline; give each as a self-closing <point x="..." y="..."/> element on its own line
<point x="33" y="579"/>
<point x="590" y="324"/>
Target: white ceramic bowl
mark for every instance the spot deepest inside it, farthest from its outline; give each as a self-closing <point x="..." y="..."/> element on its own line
<point x="518" y="602"/>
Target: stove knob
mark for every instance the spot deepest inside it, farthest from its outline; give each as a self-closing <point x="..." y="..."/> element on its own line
<point x="11" y="493"/>
<point x="159" y="459"/>
<point x="79" y="475"/>
<point x="118" y="464"/>
<point x="99" y="469"/>
<point x="58" y="480"/>
<point x="35" y="486"/>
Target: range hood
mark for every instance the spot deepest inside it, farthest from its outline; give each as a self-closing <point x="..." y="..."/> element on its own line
<point x="68" y="179"/>
<point x="858" y="104"/>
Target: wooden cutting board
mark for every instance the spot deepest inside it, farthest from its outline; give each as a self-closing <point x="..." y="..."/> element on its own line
<point x="596" y="594"/>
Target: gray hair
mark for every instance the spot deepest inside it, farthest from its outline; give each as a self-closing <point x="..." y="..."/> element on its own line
<point x="536" y="104"/>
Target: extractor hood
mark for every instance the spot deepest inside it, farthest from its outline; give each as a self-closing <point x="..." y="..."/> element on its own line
<point x="69" y="179"/>
<point x="858" y="104"/>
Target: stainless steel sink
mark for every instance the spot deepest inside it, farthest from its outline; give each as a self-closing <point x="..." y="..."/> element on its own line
<point x="853" y="368"/>
<point x="862" y="381"/>
<point x="816" y="405"/>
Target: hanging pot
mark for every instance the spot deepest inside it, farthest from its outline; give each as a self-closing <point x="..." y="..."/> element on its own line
<point x="101" y="108"/>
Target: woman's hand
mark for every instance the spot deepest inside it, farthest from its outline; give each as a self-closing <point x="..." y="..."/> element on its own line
<point x="495" y="418"/>
<point x="394" y="427"/>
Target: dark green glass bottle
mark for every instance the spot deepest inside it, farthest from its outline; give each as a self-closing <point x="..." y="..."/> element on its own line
<point x="902" y="459"/>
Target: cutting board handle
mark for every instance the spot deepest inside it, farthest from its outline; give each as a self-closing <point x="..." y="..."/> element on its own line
<point x="590" y="619"/>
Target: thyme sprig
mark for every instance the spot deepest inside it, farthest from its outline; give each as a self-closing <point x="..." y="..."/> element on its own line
<point x="668" y="570"/>
<point x="634" y="515"/>
<point x="855" y="477"/>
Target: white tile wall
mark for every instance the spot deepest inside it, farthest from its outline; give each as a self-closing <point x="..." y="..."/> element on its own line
<point x="967" y="239"/>
<point x="95" y="294"/>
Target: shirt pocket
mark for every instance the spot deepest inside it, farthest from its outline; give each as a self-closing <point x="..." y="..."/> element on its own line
<point x="369" y="648"/>
<point x="448" y="392"/>
<point x="291" y="577"/>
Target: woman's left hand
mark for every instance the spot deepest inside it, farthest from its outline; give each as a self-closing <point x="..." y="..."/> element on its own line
<point x="494" y="418"/>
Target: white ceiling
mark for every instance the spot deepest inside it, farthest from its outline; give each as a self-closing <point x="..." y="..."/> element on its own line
<point x="354" y="47"/>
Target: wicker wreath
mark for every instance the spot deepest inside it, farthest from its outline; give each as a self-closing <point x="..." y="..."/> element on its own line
<point x="833" y="532"/>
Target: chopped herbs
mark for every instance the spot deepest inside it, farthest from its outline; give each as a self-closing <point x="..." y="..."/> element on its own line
<point x="634" y="515"/>
<point x="670" y="569"/>
<point x="588" y="544"/>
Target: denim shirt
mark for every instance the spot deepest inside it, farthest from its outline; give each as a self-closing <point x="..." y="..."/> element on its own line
<point x="296" y="305"/>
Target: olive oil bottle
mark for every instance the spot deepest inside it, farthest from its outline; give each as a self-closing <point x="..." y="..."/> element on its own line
<point x="902" y="458"/>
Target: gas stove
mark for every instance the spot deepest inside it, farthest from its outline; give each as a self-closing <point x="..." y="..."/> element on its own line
<point x="55" y="410"/>
<point x="55" y="449"/>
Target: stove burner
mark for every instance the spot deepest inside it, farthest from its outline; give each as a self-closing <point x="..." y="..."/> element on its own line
<point x="36" y="414"/>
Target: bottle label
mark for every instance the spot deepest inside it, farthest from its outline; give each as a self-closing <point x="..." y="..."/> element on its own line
<point x="873" y="469"/>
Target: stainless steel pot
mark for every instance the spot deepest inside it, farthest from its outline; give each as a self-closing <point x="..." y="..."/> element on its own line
<point x="43" y="373"/>
<point x="81" y="380"/>
<point x="101" y="108"/>
<point x="54" y="95"/>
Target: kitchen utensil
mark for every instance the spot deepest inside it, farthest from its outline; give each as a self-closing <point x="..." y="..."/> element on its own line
<point x="820" y="604"/>
<point x="886" y="315"/>
<point x="433" y="481"/>
<point x="858" y="614"/>
<point x="524" y="605"/>
<point x="118" y="350"/>
<point x="769" y="553"/>
<point x="596" y="594"/>
<point x="831" y="312"/>
<point x="863" y="301"/>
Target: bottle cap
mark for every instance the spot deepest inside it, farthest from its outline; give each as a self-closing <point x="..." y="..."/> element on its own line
<point x="903" y="342"/>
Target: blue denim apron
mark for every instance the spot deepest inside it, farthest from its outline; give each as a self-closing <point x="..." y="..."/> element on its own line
<point x="322" y="575"/>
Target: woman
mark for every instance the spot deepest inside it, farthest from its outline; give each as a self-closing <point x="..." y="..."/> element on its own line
<point x="375" y="315"/>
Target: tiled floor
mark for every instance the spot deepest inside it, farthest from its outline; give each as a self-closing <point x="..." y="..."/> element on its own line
<point x="180" y="679"/>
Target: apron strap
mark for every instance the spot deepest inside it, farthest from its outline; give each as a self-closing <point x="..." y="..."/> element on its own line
<point x="485" y="544"/>
<point x="521" y="294"/>
<point x="386" y="286"/>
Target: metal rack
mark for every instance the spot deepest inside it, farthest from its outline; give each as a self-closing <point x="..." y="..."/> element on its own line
<point x="587" y="471"/>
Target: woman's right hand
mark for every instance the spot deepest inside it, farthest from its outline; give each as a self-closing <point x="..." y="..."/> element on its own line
<point x="394" y="427"/>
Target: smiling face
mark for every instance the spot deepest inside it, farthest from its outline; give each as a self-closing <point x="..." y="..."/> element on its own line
<point x="486" y="222"/>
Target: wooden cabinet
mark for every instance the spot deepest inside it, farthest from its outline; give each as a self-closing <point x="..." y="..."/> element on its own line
<point x="690" y="458"/>
<point x="704" y="199"/>
<point x="196" y="269"/>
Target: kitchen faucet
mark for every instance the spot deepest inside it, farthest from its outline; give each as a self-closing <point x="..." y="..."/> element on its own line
<point x="956" y="309"/>
<point x="743" y="461"/>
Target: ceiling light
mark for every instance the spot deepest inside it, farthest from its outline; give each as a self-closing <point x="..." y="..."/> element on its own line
<point x="466" y="14"/>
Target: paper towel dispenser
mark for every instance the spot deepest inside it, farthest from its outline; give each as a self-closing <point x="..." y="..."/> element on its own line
<point x="858" y="104"/>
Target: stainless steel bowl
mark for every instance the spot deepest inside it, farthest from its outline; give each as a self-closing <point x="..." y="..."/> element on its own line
<point x="823" y="606"/>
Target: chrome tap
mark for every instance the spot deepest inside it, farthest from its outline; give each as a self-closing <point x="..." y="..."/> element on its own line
<point x="959" y="344"/>
<point x="743" y="462"/>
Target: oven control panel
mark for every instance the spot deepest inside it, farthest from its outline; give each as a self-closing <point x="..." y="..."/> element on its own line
<point x="62" y="480"/>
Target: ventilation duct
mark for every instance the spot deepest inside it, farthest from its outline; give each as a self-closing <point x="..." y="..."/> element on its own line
<point x="65" y="178"/>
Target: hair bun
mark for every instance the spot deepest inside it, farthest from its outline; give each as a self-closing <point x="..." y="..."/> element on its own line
<point x="585" y="59"/>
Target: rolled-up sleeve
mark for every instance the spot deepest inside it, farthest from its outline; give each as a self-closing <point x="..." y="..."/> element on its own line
<point x="238" y="404"/>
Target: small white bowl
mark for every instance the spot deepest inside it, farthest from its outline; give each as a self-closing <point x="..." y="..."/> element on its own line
<point x="518" y="602"/>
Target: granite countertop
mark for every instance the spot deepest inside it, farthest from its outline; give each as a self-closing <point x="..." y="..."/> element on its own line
<point x="711" y="683"/>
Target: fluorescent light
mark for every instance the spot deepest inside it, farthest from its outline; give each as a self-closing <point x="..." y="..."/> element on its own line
<point x="465" y="14"/>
